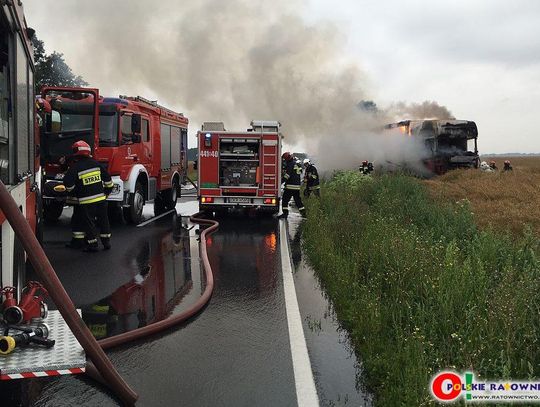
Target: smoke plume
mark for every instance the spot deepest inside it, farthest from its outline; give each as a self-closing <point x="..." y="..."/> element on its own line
<point x="419" y="111"/>
<point x="238" y="60"/>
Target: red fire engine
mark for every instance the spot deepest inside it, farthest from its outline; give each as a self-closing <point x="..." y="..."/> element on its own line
<point x="19" y="165"/>
<point x="143" y="145"/>
<point x="240" y="169"/>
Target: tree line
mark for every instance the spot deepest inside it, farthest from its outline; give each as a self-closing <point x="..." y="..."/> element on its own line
<point x="52" y="69"/>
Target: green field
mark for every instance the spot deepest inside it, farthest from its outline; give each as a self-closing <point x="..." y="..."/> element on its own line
<point x="421" y="288"/>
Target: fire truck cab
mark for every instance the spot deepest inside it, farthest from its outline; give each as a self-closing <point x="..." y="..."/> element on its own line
<point x="142" y="144"/>
<point x="239" y="169"/>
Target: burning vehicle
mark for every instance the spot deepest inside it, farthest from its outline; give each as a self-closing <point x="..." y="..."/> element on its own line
<point x="449" y="144"/>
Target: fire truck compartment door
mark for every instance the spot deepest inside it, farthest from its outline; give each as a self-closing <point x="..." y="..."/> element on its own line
<point x="175" y="145"/>
<point x="165" y="146"/>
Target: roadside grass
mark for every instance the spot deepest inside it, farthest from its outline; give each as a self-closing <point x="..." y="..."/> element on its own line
<point x="420" y="288"/>
<point x="192" y="173"/>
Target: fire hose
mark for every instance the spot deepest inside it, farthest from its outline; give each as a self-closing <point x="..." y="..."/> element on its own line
<point x="101" y="369"/>
<point x="180" y="318"/>
<point x="58" y="294"/>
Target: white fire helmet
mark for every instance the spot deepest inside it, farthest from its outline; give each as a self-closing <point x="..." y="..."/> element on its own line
<point x="306" y="162"/>
<point x="484" y="166"/>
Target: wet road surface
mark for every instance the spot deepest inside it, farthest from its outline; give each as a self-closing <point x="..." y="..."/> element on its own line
<point x="335" y="366"/>
<point x="235" y="353"/>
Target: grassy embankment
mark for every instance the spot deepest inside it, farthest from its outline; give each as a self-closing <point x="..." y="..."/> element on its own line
<point x="192" y="173"/>
<point x="421" y="288"/>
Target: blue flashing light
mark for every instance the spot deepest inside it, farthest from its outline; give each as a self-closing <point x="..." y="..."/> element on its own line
<point x="116" y="100"/>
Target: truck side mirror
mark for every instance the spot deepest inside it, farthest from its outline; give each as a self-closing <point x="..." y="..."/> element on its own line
<point x="136" y="124"/>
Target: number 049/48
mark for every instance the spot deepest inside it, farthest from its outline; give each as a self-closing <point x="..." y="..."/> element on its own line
<point x="209" y="154"/>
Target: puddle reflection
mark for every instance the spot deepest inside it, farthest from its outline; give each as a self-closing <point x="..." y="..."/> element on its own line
<point x="162" y="280"/>
<point x="243" y="255"/>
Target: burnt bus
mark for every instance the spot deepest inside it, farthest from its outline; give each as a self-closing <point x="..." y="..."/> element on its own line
<point x="449" y="144"/>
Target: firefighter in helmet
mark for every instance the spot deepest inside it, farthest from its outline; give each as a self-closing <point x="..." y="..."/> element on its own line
<point x="311" y="178"/>
<point x="91" y="184"/>
<point x="366" y="168"/>
<point x="77" y="223"/>
<point x="507" y="166"/>
<point x="493" y="165"/>
<point x="293" y="180"/>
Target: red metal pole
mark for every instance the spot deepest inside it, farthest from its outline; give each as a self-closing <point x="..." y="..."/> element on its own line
<point x="58" y="294"/>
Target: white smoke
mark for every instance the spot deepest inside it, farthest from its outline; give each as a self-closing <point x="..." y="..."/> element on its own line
<point x="234" y="61"/>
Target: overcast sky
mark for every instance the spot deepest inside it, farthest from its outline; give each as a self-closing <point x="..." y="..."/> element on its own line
<point x="479" y="58"/>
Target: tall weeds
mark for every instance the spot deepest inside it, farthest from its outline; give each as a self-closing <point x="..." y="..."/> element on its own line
<point x="420" y="288"/>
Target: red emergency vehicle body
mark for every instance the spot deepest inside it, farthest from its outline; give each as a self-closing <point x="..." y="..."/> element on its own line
<point x="240" y="169"/>
<point x="19" y="163"/>
<point x="143" y="145"/>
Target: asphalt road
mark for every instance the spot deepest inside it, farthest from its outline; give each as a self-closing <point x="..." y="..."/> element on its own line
<point x="235" y="353"/>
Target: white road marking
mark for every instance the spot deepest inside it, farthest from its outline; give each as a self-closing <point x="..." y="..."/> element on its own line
<point x="306" y="393"/>
<point x="154" y="218"/>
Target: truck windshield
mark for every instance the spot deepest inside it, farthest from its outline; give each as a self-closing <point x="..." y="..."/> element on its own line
<point x="75" y="122"/>
<point x="108" y="129"/>
<point x="72" y="120"/>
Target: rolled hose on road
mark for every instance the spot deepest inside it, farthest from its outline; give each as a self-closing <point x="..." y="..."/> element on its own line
<point x="180" y="318"/>
<point x="58" y="294"/>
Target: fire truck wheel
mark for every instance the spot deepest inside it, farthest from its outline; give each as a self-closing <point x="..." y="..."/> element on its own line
<point x="115" y="213"/>
<point x="133" y="213"/>
<point x="159" y="206"/>
<point x="170" y="196"/>
<point x="52" y="210"/>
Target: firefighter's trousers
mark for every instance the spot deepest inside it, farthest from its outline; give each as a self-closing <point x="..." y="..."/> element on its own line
<point x="77" y="224"/>
<point x="287" y="195"/>
<point x="95" y="216"/>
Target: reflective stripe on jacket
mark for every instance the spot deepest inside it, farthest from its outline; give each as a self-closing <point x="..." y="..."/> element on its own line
<point x="293" y="175"/>
<point x="312" y="177"/>
<point x="85" y="180"/>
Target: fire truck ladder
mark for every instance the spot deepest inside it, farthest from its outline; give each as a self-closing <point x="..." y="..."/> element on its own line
<point x="269" y="165"/>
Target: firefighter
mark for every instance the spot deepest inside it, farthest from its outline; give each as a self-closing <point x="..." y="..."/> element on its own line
<point x="493" y="165"/>
<point x="293" y="180"/>
<point x="366" y="168"/>
<point x="91" y="184"/>
<point x="311" y="178"/>
<point x="507" y="166"/>
<point x="76" y="223"/>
